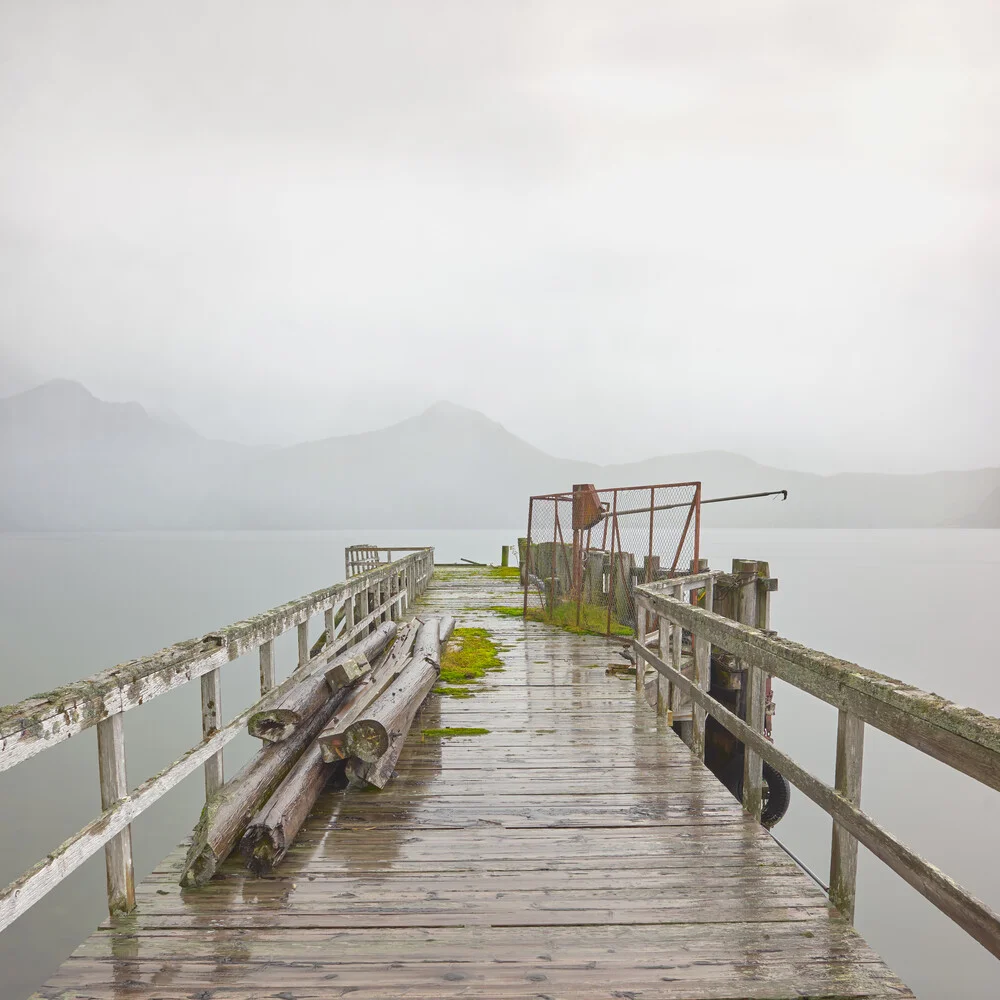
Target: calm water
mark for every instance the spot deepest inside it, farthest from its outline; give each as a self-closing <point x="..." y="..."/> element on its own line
<point x="907" y="603"/>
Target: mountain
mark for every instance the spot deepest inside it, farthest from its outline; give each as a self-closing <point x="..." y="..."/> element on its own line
<point x="71" y="461"/>
<point x="986" y="515"/>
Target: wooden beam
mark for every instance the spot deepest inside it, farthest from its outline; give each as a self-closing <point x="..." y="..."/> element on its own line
<point x="211" y="722"/>
<point x="961" y="737"/>
<point x="41" y="721"/>
<point x="745" y="570"/>
<point x="844" y="848"/>
<point x="266" y="656"/>
<point x="945" y="893"/>
<point x="114" y="788"/>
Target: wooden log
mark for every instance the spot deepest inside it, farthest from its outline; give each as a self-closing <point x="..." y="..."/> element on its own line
<point x="226" y="815"/>
<point x="331" y="740"/>
<point x="228" y="812"/>
<point x="378" y="773"/>
<point x="369" y="737"/>
<point x="348" y="672"/>
<point x="278" y="723"/>
<point x="447" y="626"/>
<point x="273" y="829"/>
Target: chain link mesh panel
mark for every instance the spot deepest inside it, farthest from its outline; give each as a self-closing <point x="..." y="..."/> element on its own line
<point x="586" y="550"/>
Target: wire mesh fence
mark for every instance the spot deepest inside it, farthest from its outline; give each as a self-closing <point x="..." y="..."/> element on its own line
<point x="586" y="550"/>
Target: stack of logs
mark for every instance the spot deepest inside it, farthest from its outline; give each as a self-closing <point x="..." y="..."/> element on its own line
<point x="351" y="712"/>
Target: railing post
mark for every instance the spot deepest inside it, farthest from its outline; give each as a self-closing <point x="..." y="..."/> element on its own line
<point x="844" y="849"/>
<point x="640" y="662"/>
<point x="365" y="606"/>
<point x="266" y="654"/>
<point x="329" y="621"/>
<point x="114" y="786"/>
<point x="393" y="596"/>
<point x="676" y="636"/>
<point x="303" y="636"/>
<point x="211" y="723"/>
<point x="662" y="684"/>
<point x="702" y="650"/>
<point x="349" y="618"/>
<point x="745" y="570"/>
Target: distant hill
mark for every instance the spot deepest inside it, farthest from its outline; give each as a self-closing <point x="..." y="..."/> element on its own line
<point x="986" y="515"/>
<point x="71" y="461"/>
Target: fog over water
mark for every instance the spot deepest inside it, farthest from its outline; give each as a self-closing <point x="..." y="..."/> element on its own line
<point x="72" y="604"/>
<point x="271" y="274"/>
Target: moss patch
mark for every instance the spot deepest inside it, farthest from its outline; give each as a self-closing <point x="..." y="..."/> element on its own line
<point x="505" y="572"/>
<point x="593" y="618"/>
<point x="450" y="731"/>
<point x="454" y="691"/>
<point x="469" y="656"/>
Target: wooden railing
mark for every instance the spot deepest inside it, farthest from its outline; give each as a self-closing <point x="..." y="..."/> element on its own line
<point x="962" y="738"/>
<point x="38" y="723"/>
<point x="361" y="558"/>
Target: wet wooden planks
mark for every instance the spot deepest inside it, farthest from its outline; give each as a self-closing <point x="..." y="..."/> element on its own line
<point x="576" y="850"/>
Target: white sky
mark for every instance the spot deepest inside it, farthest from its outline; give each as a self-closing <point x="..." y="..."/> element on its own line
<point x="620" y="229"/>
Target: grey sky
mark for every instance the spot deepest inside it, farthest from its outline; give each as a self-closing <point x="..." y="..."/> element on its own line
<point x="620" y="229"/>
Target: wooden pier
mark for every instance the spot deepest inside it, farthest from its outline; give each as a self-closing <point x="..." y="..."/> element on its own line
<point x="578" y="849"/>
<point x="574" y="847"/>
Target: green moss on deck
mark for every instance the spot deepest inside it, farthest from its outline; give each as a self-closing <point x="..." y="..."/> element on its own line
<point x="469" y="655"/>
<point x="593" y="618"/>
<point x="448" y="732"/>
<point x="505" y="572"/>
<point x="454" y="691"/>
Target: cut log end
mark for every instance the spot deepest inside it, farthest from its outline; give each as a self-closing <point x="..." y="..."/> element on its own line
<point x="260" y="850"/>
<point x="274" y="725"/>
<point x="366" y="739"/>
<point x="200" y="868"/>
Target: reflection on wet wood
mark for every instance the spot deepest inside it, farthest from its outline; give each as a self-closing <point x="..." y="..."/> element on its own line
<point x="576" y="850"/>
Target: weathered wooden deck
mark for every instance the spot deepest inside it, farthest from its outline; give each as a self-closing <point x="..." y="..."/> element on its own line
<point x="577" y="850"/>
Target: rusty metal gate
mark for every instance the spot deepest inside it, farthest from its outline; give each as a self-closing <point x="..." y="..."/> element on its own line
<point x="585" y="550"/>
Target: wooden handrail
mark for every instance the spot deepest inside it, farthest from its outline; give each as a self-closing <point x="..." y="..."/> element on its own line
<point x="962" y="738"/>
<point x="42" y="721"/>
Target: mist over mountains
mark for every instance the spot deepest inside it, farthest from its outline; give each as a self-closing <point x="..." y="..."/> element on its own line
<point x="70" y="461"/>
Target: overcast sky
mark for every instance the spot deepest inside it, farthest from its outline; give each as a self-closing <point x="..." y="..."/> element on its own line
<point x="619" y="228"/>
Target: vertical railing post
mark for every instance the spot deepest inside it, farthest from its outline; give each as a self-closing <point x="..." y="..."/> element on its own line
<point x="662" y="684"/>
<point x="754" y="679"/>
<point x="676" y="637"/>
<point x="393" y="595"/>
<point x="303" y="637"/>
<point x="702" y="651"/>
<point x="844" y="848"/>
<point x="211" y="722"/>
<point x="114" y="787"/>
<point x="349" y="618"/>
<point x="640" y="660"/>
<point x="266" y="655"/>
<point x="329" y="622"/>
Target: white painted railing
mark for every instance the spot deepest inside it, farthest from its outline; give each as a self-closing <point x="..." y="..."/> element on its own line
<point x="960" y="737"/>
<point x="40" y="722"/>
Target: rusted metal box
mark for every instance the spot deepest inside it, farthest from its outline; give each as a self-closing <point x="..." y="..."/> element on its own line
<point x="587" y="509"/>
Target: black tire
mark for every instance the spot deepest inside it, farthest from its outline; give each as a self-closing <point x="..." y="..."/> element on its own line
<point x="777" y="790"/>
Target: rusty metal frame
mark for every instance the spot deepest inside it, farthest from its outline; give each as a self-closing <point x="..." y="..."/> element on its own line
<point x="583" y="541"/>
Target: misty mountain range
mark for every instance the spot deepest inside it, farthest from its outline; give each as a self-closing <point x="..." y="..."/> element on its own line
<point x="70" y="461"/>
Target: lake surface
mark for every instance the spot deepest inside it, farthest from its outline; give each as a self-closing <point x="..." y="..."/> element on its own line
<point x="908" y="603"/>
